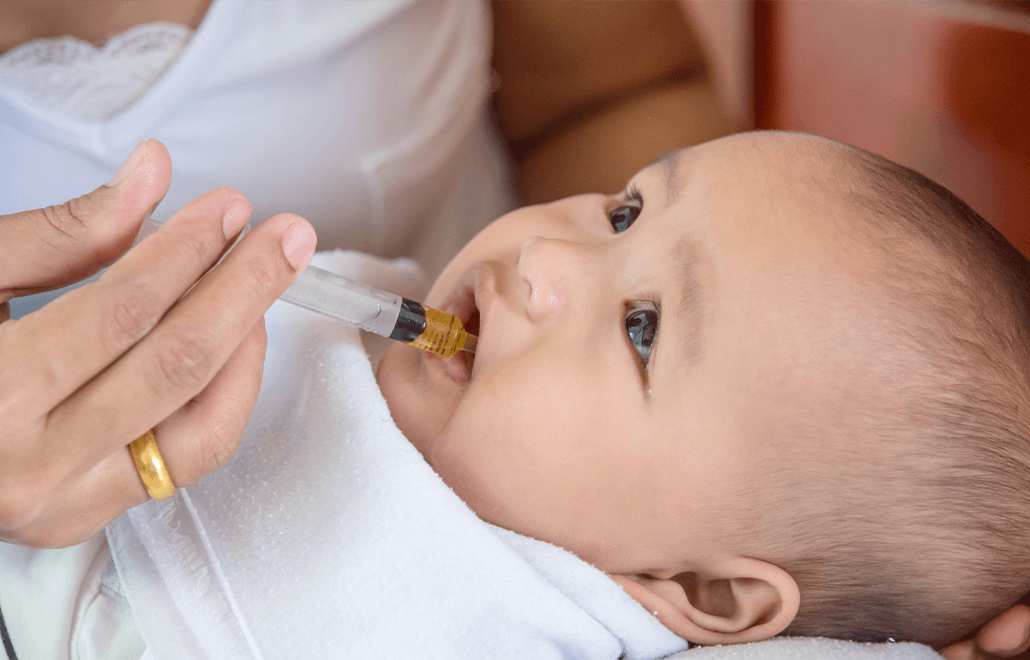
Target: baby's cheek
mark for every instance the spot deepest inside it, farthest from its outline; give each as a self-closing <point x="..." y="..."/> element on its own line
<point x="473" y="456"/>
<point x="396" y="381"/>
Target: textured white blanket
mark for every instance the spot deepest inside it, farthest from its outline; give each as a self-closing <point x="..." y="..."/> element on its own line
<point x="803" y="648"/>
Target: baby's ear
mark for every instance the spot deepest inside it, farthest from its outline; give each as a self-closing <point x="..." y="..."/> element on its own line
<point x="741" y="600"/>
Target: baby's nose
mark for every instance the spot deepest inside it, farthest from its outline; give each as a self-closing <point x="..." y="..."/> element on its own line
<point x="544" y="266"/>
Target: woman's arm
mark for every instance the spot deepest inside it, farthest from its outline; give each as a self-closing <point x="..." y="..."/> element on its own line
<point x="591" y="92"/>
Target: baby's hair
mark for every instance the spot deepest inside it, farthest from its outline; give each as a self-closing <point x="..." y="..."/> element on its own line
<point x="926" y="534"/>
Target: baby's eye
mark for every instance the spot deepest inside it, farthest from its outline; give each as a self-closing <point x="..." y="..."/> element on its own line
<point x="625" y="215"/>
<point x="642" y="328"/>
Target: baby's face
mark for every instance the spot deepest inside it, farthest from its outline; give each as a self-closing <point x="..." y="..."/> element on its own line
<point x="635" y="353"/>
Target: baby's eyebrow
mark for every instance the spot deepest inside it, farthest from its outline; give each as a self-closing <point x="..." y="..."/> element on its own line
<point x="691" y="256"/>
<point x="669" y="160"/>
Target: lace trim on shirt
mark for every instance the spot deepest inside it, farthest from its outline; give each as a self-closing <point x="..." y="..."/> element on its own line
<point x="75" y="77"/>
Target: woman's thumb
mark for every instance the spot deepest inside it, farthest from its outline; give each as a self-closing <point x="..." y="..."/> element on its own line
<point x="55" y="246"/>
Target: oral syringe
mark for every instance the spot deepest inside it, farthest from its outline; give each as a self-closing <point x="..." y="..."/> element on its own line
<point x="368" y="308"/>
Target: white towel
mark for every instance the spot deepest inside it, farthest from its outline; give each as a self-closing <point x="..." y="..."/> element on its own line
<point x="329" y="536"/>
<point x="809" y="648"/>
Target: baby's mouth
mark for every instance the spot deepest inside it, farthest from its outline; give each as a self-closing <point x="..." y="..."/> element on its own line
<point x="463" y="306"/>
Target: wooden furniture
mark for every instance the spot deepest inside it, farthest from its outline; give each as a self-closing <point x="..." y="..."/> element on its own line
<point x="942" y="87"/>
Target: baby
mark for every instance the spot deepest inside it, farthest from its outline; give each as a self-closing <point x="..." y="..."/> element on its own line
<point x="776" y="385"/>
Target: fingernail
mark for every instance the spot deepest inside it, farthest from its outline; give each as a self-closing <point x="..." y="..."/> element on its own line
<point x="129" y="164"/>
<point x="299" y="243"/>
<point x="236" y="215"/>
<point x="1009" y="641"/>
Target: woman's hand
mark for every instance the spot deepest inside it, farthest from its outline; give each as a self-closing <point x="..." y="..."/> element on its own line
<point x="153" y="343"/>
<point x="1005" y="636"/>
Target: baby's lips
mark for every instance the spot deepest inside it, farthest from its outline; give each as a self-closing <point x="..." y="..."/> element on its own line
<point x="456" y="368"/>
<point x="462" y="303"/>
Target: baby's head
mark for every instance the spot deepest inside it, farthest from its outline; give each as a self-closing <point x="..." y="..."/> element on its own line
<point x="777" y="384"/>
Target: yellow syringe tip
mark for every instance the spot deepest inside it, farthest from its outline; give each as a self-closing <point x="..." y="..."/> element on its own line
<point x="444" y="335"/>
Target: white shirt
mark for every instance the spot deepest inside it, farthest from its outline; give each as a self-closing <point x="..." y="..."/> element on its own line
<point x="368" y="118"/>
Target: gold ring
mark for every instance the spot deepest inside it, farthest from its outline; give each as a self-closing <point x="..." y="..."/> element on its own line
<point x="151" y="466"/>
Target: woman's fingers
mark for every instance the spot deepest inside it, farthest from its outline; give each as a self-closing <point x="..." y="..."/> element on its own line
<point x="154" y="339"/>
<point x="194" y="441"/>
<point x="205" y="433"/>
<point x="51" y="247"/>
<point x="1007" y="635"/>
<point x="80" y="475"/>
<point x="108" y="316"/>
<point x="181" y="355"/>
<point x="48" y="248"/>
<point x="960" y="651"/>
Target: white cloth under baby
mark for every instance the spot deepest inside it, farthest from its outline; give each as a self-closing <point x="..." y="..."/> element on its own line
<point x="329" y="536"/>
<point x="809" y="648"/>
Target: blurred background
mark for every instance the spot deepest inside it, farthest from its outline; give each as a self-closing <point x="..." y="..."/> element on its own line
<point x="940" y="86"/>
<point x="588" y="92"/>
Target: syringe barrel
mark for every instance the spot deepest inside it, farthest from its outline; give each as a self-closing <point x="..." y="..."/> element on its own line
<point x="330" y="294"/>
<point x="336" y="296"/>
